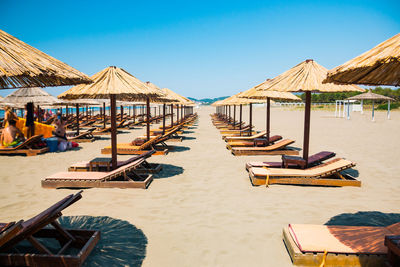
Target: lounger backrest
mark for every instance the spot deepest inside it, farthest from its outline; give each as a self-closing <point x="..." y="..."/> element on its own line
<point x="141" y="156"/>
<point x="319" y="157"/>
<point x="123" y="169"/>
<point x="29" y="141"/>
<point x="394" y="228"/>
<point x="150" y="142"/>
<point x="37" y="222"/>
<point x="322" y="170"/>
<point x="281" y="144"/>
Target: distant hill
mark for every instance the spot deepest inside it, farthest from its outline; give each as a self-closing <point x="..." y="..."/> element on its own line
<point x="207" y="101"/>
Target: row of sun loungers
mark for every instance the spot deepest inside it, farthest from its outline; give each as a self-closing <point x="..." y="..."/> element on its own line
<point x="291" y="170"/>
<point x="248" y="142"/>
<point x="20" y="242"/>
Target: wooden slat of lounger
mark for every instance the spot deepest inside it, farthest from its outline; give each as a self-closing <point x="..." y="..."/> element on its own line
<point x="322" y="170"/>
<point x="276" y="146"/>
<point x="339" y="239"/>
<point x="238" y="138"/>
<point x="93" y="176"/>
<point x="331" y="259"/>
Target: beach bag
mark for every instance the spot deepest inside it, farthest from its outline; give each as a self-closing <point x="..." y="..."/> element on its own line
<point x="63" y="146"/>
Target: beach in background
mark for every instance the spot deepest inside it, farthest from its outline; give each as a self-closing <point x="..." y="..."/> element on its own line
<point x="202" y="209"/>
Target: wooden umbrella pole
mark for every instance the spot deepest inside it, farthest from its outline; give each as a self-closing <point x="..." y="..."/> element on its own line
<point x="234" y="116"/>
<point x="122" y="112"/>
<point x="177" y="114"/>
<point x="307" y="115"/>
<point x="104" y="114"/>
<point x="134" y="113"/>
<point x="181" y="113"/>
<point x="251" y="118"/>
<point x="240" y="117"/>
<point x="113" y="132"/>
<point x="163" y="121"/>
<point x="148" y="118"/>
<point x="66" y="111"/>
<point x="172" y="114"/>
<point x="229" y="112"/>
<point x="268" y="119"/>
<point x="77" y="119"/>
<point x="87" y="112"/>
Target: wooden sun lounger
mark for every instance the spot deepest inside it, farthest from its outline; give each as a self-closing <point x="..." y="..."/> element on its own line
<point x="244" y="138"/>
<point x="129" y="149"/>
<point x="107" y="130"/>
<point x="83" y="137"/>
<point x="344" y="245"/>
<point x="12" y="254"/>
<point x="327" y="174"/>
<point x="122" y="177"/>
<point x="313" y="160"/>
<point x="28" y="147"/>
<point x="145" y="167"/>
<point x="244" y="130"/>
<point x="232" y="144"/>
<point x="279" y="148"/>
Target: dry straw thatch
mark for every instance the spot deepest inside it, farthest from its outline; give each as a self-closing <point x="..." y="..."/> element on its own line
<point x="112" y="81"/>
<point x="33" y="94"/>
<point x="369" y="96"/>
<point x="21" y="65"/>
<point x="254" y="93"/>
<point x="305" y="77"/>
<point x="378" y="66"/>
<point x="236" y="100"/>
<point x="177" y="98"/>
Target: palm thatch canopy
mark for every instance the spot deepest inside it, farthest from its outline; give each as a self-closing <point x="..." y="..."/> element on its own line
<point x="21" y="65"/>
<point x="237" y="100"/>
<point x="33" y="94"/>
<point x="179" y="99"/>
<point x="112" y="81"/>
<point x="88" y="102"/>
<point x="369" y="96"/>
<point x="378" y="66"/>
<point x="254" y="93"/>
<point x="305" y="77"/>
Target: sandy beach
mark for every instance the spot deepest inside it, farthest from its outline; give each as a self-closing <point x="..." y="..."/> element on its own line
<point x="202" y="210"/>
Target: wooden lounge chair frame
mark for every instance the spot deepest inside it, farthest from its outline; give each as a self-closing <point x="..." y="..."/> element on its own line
<point x="145" y="167"/>
<point x="232" y="144"/>
<point x="244" y="138"/>
<point x="84" y="137"/>
<point x="83" y="240"/>
<point x="329" y="177"/>
<point x="100" y="179"/>
<point x="331" y="259"/>
<point x="313" y="160"/>
<point x="25" y="147"/>
<point x="279" y="148"/>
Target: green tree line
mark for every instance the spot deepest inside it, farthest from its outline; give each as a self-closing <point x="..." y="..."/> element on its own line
<point x="331" y="97"/>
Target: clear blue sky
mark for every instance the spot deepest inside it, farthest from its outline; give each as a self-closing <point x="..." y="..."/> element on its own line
<point x="200" y="48"/>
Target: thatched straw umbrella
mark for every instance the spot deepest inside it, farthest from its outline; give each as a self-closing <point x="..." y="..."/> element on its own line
<point x="306" y="77"/>
<point x="21" y="65"/>
<point x="371" y="96"/>
<point x="113" y="83"/>
<point x="253" y="93"/>
<point x="236" y="100"/>
<point x="32" y="95"/>
<point x="76" y="103"/>
<point x="378" y="66"/>
<point x="178" y="100"/>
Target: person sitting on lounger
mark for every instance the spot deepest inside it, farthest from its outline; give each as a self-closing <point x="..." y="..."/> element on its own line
<point x="8" y="116"/>
<point x="11" y="136"/>
<point x="59" y="130"/>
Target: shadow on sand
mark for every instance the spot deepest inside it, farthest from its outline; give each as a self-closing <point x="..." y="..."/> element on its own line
<point x="365" y="218"/>
<point x="177" y="148"/>
<point x="121" y="243"/>
<point x="168" y="171"/>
